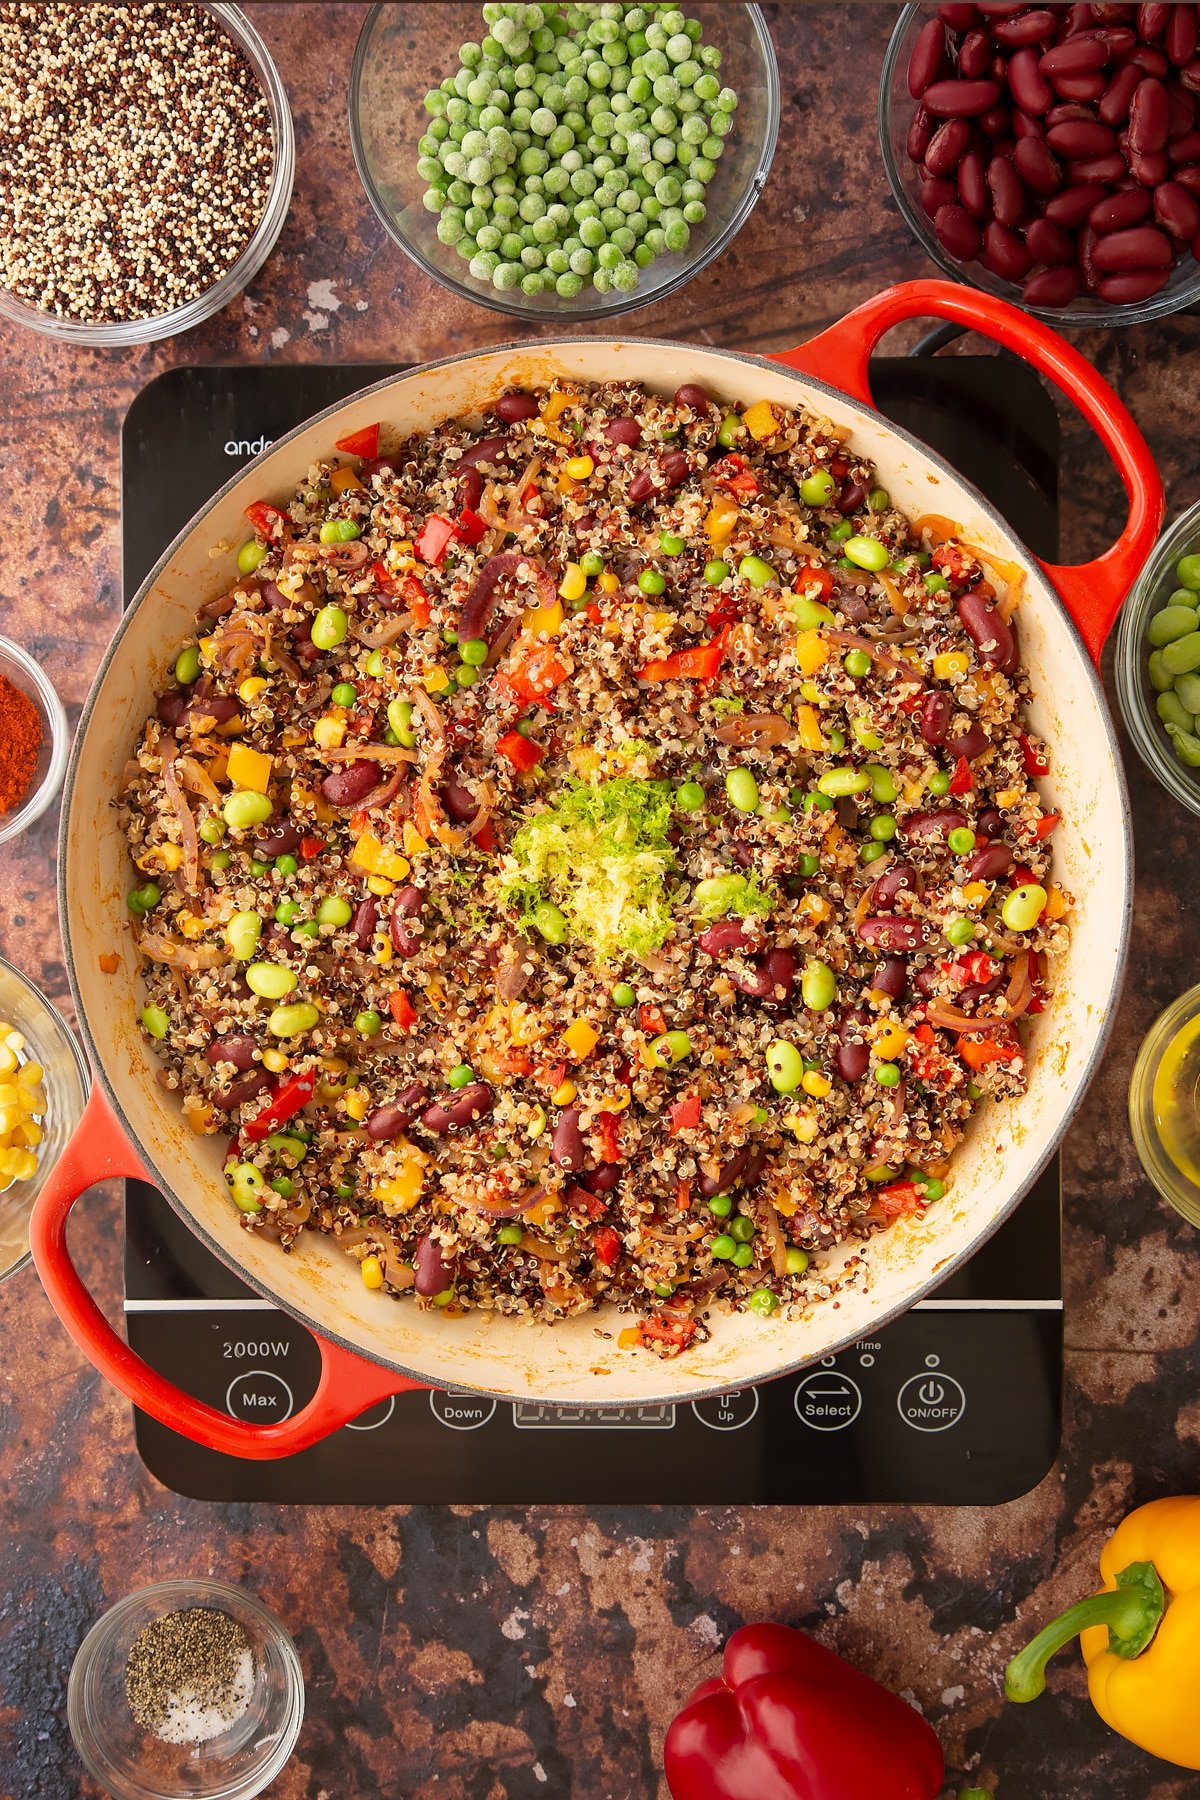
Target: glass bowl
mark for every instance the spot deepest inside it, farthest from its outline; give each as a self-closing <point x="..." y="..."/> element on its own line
<point x="50" y="1042"/>
<point x="240" y="273"/>
<point x="1134" y="691"/>
<point x="1165" y="1084"/>
<point x="896" y="108"/>
<point x="32" y="680"/>
<point x="403" y="51"/>
<point x="131" y="1763"/>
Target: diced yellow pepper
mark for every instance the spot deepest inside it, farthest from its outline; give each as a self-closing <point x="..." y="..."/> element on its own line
<point x="1009" y="797"/>
<point x="207" y="648"/>
<point x="580" y="467"/>
<point x="542" y="1211"/>
<point x="808" y="728"/>
<point x="565" y="484"/>
<point x="357" y="1103"/>
<point x="328" y="732"/>
<point x="721" y="520"/>
<point x="542" y="621"/>
<point x="399" y="1193"/>
<point x="524" y="1026"/>
<point x="629" y="1339"/>
<point x="190" y="925"/>
<point x="949" y="663"/>
<point x="816" y="1084"/>
<point x="785" y="1205"/>
<point x="414" y="843"/>
<point x="369" y="854"/>
<point x="580" y="1038"/>
<point x="803" y="1126"/>
<point x="891" y="1040"/>
<point x="275" y="1060"/>
<point x="251" y="688"/>
<point x="371" y="1270"/>
<point x="557" y="404"/>
<point x="249" y="768"/>
<point x="343" y="479"/>
<point x="608" y="583"/>
<point x="573" y="585"/>
<point x="564" y="1093"/>
<point x="812" y="652"/>
<point x="760" y="420"/>
<point x="1057" y="904"/>
<point x="817" y="907"/>
<point x="436" y="680"/>
<point x="379" y="884"/>
<point x="166" y="856"/>
<point x="976" y="892"/>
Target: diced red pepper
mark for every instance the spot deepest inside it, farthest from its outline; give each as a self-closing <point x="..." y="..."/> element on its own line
<point x="685" y="1114"/>
<point x="364" y="443"/>
<point x="911" y="702"/>
<point x="678" y="1333"/>
<point x="839" y="468"/>
<point x="735" y="475"/>
<point x="556" y="1074"/>
<point x="1035" y="762"/>
<point x="485" y="837"/>
<point x="650" y="1018"/>
<point x="471" y="528"/>
<point x="1021" y="875"/>
<point x="407" y="587"/>
<point x="535" y="676"/>
<point x="899" y="1198"/>
<point x="953" y="562"/>
<point x="402" y="1009"/>
<point x="608" y="1126"/>
<point x="594" y="615"/>
<point x="295" y="1093"/>
<point x="810" y="575"/>
<point x="962" y="780"/>
<point x="1045" y="826"/>
<point x="310" y="847"/>
<point x="579" y="1200"/>
<point x="976" y="965"/>
<point x="683" y="1194"/>
<point x="925" y="1034"/>
<point x="434" y="538"/>
<point x="607" y="1246"/>
<point x="701" y="663"/>
<point x="520" y="751"/>
<point x="978" y="1052"/>
<point x="267" y="520"/>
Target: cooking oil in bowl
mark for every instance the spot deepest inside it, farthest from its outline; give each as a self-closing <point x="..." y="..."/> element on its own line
<point x="1164" y="1105"/>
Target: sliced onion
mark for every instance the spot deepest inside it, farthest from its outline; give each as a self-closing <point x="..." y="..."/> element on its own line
<point x="182" y="812"/>
<point x="157" y="947"/>
<point x="197" y="778"/>
<point x="1019" y="992"/>
<point x="516" y="513"/>
<point x="385" y="792"/>
<point x="386" y="634"/>
<point x="852" y="640"/>
<point x="952" y="1018"/>
<point x="344" y="556"/>
<point x="756" y="731"/>
<point x="381" y="753"/>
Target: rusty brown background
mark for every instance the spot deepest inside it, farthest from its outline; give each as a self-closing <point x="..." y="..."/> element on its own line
<point x="468" y="1653"/>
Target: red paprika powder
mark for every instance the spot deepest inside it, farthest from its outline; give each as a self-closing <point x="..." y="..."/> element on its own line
<point x="20" y="741"/>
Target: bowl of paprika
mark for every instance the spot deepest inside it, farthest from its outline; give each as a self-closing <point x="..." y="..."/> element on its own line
<point x="34" y="740"/>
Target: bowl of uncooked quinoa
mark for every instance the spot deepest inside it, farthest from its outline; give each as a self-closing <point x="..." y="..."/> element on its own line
<point x="146" y="163"/>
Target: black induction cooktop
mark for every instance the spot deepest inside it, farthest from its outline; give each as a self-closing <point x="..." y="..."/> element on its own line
<point x="958" y="1402"/>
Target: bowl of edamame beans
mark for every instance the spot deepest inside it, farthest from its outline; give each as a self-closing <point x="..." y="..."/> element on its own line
<point x="1158" y="661"/>
<point x="564" y="161"/>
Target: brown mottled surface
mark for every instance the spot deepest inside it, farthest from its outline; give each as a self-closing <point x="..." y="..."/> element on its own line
<point x="500" y="1655"/>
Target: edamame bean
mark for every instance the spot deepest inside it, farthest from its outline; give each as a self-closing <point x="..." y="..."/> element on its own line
<point x="838" y="783"/>
<point x="1182" y="655"/>
<point x="756" y="571"/>
<point x="245" y="809"/>
<point x="156" y="1021"/>
<point x="818" y="488"/>
<point x="818" y="985"/>
<point x="1174" y="621"/>
<point x="290" y="1021"/>
<point x="716" y="571"/>
<point x="809" y="614"/>
<point x="671" y="1047"/>
<point x="339" y="531"/>
<point x="1188" y="689"/>
<point x="242" y="934"/>
<point x="689" y="797"/>
<point x="1187" y="746"/>
<point x="245" y="1183"/>
<point x="960" y="931"/>
<point x="742" y="790"/>
<point x="251" y="554"/>
<point x="270" y="980"/>
<point x="883" y="784"/>
<point x="550" y="922"/>
<point x="785" y="1066"/>
<point x="187" y="665"/>
<point x="334" y="910"/>
<point x="1187" y="571"/>
<point x="1159" y="678"/>
<point x="1172" y="711"/>
<point x="329" y="628"/>
<point x="866" y="553"/>
<point x="1024" y="906"/>
<point x="400" y="720"/>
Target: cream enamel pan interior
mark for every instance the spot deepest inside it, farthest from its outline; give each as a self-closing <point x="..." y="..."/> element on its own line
<point x="571" y="1363"/>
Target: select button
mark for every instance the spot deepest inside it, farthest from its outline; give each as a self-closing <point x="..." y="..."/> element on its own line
<point x="261" y="1396"/>
<point x="827" y="1400"/>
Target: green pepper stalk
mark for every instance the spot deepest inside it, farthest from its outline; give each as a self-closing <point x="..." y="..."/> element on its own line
<point x="1132" y="1611"/>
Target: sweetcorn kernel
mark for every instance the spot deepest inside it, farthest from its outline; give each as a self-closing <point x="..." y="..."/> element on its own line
<point x="371" y="1270"/>
<point x="251" y="688"/>
<point x="976" y="892"/>
<point x="580" y="467"/>
<point x="949" y="663"/>
<point x="564" y="1093"/>
<point x="573" y="585"/>
<point x="275" y="1060"/>
<point x="816" y="1084"/>
<point x="357" y="1103"/>
<point x="379" y="884"/>
<point x="329" y="732"/>
<point x="608" y="583"/>
<point x="891" y="1041"/>
<point x="803" y="1126"/>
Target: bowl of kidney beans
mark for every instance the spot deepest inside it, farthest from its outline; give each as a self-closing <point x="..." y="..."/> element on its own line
<point x="1051" y="154"/>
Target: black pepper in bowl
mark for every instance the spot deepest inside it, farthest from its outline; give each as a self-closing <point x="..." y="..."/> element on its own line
<point x="190" y="1675"/>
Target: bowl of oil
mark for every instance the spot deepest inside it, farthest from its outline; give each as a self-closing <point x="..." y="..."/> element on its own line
<point x="1164" y="1105"/>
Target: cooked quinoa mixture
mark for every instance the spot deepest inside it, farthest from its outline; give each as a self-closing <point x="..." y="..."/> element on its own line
<point x="594" y="853"/>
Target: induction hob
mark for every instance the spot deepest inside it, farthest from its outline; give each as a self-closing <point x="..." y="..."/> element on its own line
<point x="956" y="1403"/>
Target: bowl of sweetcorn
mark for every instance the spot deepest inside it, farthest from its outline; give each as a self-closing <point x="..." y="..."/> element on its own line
<point x="44" y="1085"/>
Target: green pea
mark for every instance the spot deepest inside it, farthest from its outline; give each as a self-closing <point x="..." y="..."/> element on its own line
<point x="1172" y="622"/>
<point x="716" y="571"/>
<point x="592" y="564"/>
<point x="742" y="790"/>
<point x="866" y="553"/>
<point x="878" y="500"/>
<point x="795" y="1260"/>
<point x="960" y="931"/>
<point x="156" y="1021"/>
<point x="871" y="852"/>
<point x="242" y="934"/>
<point x="883" y="828"/>
<point x="1187" y="571"/>
<point x="1187" y="687"/>
<point x="1159" y="678"/>
<point x="474" y="652"/>
<point x="742" y="1228"/>
<point x="245" y="809"/>
<point x="259" y="867"/>
<point x="211" y="830"/>
<point x="334" y="910"/>
<point x="763" y="1302"/>
<point x="187" y="665"/>
<point x="842" y="532"/>
<point x="818" y="488"/>
<point x="671" y="1047"/>
<point x="344" y="694"/>
<point x="961" y="840"/>
<point x="245" y="1184"/>
<point x="670" y="544"/>
<point x="290" y="1021"/>
<point x="309" y="929"/>
<point x="857" y="664"/>
<point x="1182" y="655"/>
<point x="729" y="431"/>
<point x="550" y="922"/>
<point x="883" y="784"/>
<point x="339" y="531"/>
<point x="689" y="797"/>
<point x="785" y="1066"/>
<point x="329" y="628"/>
<point x="724" y="1247"/>
<point x="720" y="1206"/>
<point x="369" y="1023"/>
<point x="808" y="864"/>
<point x="400" y="720"/>
<point x="462" y="1075"/>
<point x="939" y="782"/>
<point x="270" y="980"/>
<point x="144" y="899"/>
<point x="887" y="1075"/>
<point x="623" y="995"/>
<point x="935" y="1189"/>
<point x="1023" y="907"/>
<point x="879" y="1172"/>
<point x="818" y="985"/>
<point x="289" y="1145"/>
<point x="817" y="803"/>
<point x="836" y="784"/>
<point x="220" y="859"/>
<point x="935" y="583"/>
<point x="743" y="1256"/>
<point x="286" y="865"/>
<point x="510" y="1234"/>
<point x="284" y="1185"/>
<point x="1187" y="746"/>
<point x="756" y="571"/>
<point x="652" y="581"/>
<point x="250" y="555"/>
<point x="809" y="614"/>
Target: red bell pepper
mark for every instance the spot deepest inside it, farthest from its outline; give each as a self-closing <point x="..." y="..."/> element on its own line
<point x="434" y="538"/>
<point x="899" y="1198"/>
<point x="684" y="1115"/>
<point x="962" y="780"/>
<point x="533" y="677"/>
<point x="407" y="588"/>
<point x="267" y="520"/>
<point x="310" y="847"/>
<point x="789" y="1720"/>
<point x="485" y="837"/>
<point x="676" y="1334"/>
<point x="520" y="751"/>
<point x="471" y="528"/>
<point x="402" y="1009"/>
<point x="975" y="965"/>
<point x="1035" y="762"/>
<point x="1045" y="826"/>
<point x="294" y="1094"/>
<point x="607" y="1246"/>
<point x="735" y="475"/>
<point x="978" y="1051"/>
<point x="650" y="1018"/>
<point x="364" y="443"/>
<point x="701" y="663"/>
<point x="608" y="1127"/>
<point x="812" y="575"/>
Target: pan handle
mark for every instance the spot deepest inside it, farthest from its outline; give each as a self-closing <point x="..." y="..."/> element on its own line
<point x="98" y="1151"/>
<point x="1091" y="592"/>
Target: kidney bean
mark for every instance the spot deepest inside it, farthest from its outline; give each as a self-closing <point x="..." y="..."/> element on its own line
<point x="920" y="131"/>
<point x="494" y="451"/>
<point x="389" y="1121"/>
<point x="238" y="1049"/>
<point x="218" y="707"/>
<point x="1004" y="253"/>
<point x="1152" y="22"/>
<point x="363" y="922"/>
<point x="466" y="1107"/>
<point x="1085" y="245"/>
<point x="1007" y="191"/>
<point x="724" y="937"/>
<point x="897" y="879"/>
<point x="1149" y="167"/>
<point x="433" y="1273"/>
<point x="891" y="977"/>
<point x="1056" y="286"/>
<point x="1181" y="111"/>
<point x="1070" y="207"/>
<point x="961" y="99"/>
<point x="407" y="904"/>
<point x="1067" y="110"/>
<point x="645" y="484"/>
<point x="1179" y="39"/>
<point x="1081" y="87"/>
<point x="1185" y="149"/>
<point x="729" y="1173"/>
<point x="988" y="863"/>
<point x="1120" y="40"/>
<point x="931" y="824"/>
<point x="972" y="185"/>
<point x="280" y="840"/>
<point x="754" y="982"/>
<point x="1190" y="76"/>
<point x="1149" y="60"/>
<point x="239" y="1092"/>
<point x="1036" y="167"/>
<point x="1188" y="176"/>
<point x="1129" y="286"/>
<point x="1023" y="125"/>
<point x="1113" y="106"/>
<point x="974" y="55"/>
<point x="971" y="743"/>
<point x="1026" y="83"/>
<point x="959" y="18"/>
<point x="780" y="968"/>
<point x="623" y="431"/>
<point x="990" y="822"/>
<point x="1049" y="243"/>
<point x="1141" y="248"/>
<point x="349" y="783"/>
<point x="995" y="122"/>
<point x="566" y="1143"/>
<point x="948" y="145"/>
<point x="1025" y="28"/>
<point x="1087" y="169"/>
<point x="379" y="465"/>
<point x="995" y="640"/>
<point x="459" y="801"/>
<point x="1076" y="57"/>
<point x="692" y="395"/>
<point x="936" y="709"/>
<point x="512" y="408"/>
<point x="1076" y="138"/>
<point x="854" y="494"/>
<point x="853" y="1057"/>
<point x="171" y="708"/>
<point x="976" y="991"/>
<point x="1149" y="116"/>
<point x="928" y="58"/>
<point x="889" y="932"/>
<point x="957" y="232"/>
<point x="1176" y="211"/>
<point x="1119" y="211"/>
<point x="470" y="489"/>
<point x="934" y="194"/>
<point x="602" y="1179"/>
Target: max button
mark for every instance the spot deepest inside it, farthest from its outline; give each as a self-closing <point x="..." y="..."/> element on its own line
<point x="461" y="1412"/>
<point x="931" y="1402"/>
<point x="260" y="1395"/>
<point x="827" y="1400"/>
<point x="727" y="1412"/>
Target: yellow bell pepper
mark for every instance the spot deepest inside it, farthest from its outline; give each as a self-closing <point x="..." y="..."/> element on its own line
<point x="375" y="857"/>
<point x="249" y="768"/>
<point x="721" y="520"/>
<point x="760" y="420"/>
<point x="1140" y="1635"/>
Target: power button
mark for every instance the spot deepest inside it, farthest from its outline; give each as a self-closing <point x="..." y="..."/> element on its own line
<point x="931" y="1401"/>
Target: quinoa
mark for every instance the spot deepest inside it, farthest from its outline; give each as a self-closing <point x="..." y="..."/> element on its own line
<point x="136" y="156"/>
<point x="633" y="960"/>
